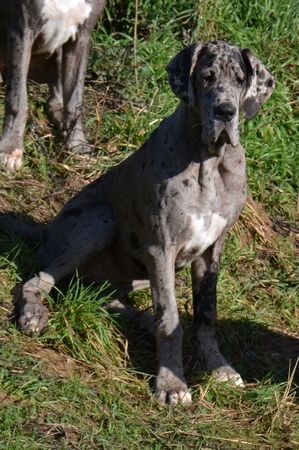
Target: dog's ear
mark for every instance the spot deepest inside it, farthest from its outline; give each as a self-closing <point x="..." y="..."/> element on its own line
<point x="180" y="70"/>
<point x="260" y="84"/>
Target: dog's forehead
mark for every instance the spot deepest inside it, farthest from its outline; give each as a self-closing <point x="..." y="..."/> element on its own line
<point x="221" y="54"/>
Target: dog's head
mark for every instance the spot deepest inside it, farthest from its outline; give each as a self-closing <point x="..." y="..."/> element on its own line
<point x="218" y="80"/>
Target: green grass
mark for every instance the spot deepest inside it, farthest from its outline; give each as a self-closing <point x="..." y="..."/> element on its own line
<point x="86" y="382"/>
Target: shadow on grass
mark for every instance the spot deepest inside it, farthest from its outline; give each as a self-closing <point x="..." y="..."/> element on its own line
<point x="258" y="352"/>
<point x="255" y="351"/>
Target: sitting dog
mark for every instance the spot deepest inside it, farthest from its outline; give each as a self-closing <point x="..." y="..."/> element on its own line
<point x="46" y="41"/>
<point x="167" y="206"/>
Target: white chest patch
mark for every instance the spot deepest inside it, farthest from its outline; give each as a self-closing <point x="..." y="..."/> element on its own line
<point x="61" y="20"/>
<point x="205" y="230"/>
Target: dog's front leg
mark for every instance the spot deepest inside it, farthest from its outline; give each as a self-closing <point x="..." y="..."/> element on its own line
<point x="19" y="52"/>
<point x="74" y="63"/>
<point x="170" y="383"/>
<point x="204" y="280"/>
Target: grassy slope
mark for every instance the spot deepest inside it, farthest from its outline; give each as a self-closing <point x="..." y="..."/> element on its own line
<point x="85" y="383"/>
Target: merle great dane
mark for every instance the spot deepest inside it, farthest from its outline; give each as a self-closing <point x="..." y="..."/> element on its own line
<point x="48" y="41"/>
<point x="165" y="207"/>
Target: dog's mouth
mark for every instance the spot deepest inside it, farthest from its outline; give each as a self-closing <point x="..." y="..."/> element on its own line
<point x="222" y="138"/>
<point x="216" y="133"/>
<point x="226" y="133"/>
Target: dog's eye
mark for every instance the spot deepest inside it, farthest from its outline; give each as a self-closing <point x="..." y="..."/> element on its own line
<point x="240" y="81"/>
<point x="209" y="78"/>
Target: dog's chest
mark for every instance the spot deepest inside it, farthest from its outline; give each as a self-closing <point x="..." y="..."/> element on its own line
<point x="201" y="232"/>
<point x="61" y="19"/>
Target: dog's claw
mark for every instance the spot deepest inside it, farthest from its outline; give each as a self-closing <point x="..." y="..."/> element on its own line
<point x="228" y="374"/>
<point x="173" y="398"/>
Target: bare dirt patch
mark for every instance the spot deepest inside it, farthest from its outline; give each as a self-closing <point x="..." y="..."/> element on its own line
<point x="57" y="364"/>
<point x="6" y="399"/>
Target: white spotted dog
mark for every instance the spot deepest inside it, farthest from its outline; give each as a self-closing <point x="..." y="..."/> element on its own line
<point x="46" y="41"/>
<point x="167" y="206"/>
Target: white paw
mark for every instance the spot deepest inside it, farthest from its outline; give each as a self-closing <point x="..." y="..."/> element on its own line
<point x="12" y="161"/>
<point x="33" y="318"/>
<point x="228" y="374"/>
<point x="31" y="324"/>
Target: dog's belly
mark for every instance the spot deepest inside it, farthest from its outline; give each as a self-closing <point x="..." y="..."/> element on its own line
<point x="61" y="21"/>
<point x="202" y="232"/>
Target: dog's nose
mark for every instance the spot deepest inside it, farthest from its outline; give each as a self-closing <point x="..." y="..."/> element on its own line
<point x="225" y="112"/>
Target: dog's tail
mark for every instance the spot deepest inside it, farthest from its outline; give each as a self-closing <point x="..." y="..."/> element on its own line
<point x="16" y="224"/>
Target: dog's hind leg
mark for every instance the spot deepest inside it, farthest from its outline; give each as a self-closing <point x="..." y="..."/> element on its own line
<point x="55" y="100"/>
<point x="74" y="63"/>
<point x="144" y="319"/>
<point x="204" y="279"/>
<point x="75" y="236"/>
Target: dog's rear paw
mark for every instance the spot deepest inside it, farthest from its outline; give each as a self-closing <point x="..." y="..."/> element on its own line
<point x="171" y="389"/>
<point x="12" y="160"/>
<point x="32" y="317"/>
<point x="228" y="374"/>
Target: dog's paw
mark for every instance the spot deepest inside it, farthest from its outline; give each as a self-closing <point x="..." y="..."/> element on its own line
<point x="11" y="161"/>
<point x="75" y="142"/>
<point x="167" y="397"/>
<point x="171" y="389"/>
<point x="32" y="317"/>
<point x="228" y="374"/>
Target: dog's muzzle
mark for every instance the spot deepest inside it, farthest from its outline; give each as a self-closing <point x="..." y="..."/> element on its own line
<point x="222" y="126"/>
